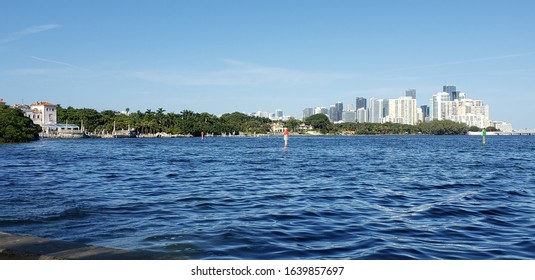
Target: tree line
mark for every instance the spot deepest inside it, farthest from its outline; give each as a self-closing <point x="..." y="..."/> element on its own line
<point x="184" y="123"/>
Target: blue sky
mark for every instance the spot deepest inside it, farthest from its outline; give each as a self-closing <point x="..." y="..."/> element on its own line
<point x="225" y="56"/>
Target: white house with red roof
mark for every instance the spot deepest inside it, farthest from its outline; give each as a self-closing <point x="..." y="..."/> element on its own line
<point x="44" y="113"/>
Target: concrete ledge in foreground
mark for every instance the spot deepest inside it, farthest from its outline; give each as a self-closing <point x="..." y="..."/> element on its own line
<point x="18" y="247"/>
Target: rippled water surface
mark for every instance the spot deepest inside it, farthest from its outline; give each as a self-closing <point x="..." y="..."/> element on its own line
<point x="388" y="197"/>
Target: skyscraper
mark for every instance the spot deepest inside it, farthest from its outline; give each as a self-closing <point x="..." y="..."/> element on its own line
<point x="438" y="105"/>
<point x="425" y="111"/>
<point x="279" y="114"/>
<point x="411" y="93"/>
<point x="332" y="113"/>
<point x="307" y="112"/>
<point x="339" y="110"/>
<point x="362" y="115"/>
<point x="375" y="112"/>
<point x="401" y="110"/>
<point x="457" y="95"/>
<point x="452" y="91"/>
<point x="360" y="103"/>
<point x="449" y="89"/>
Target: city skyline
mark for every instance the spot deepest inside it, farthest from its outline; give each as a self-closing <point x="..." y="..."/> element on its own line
<point x="219" y="57"/>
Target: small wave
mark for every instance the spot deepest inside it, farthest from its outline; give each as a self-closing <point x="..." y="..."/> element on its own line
<point x="17" y="222"/>
<point x="518" y="192"/>
<point x="164" y="237"/>
<point x="75" y="212"/>
<point x="442" y="211"/>
<point x="69" y="213"/>
<point x="395" y="254"/>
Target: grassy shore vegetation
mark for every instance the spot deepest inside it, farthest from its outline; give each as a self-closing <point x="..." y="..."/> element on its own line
<point x="190" y="123"/>
<point x="15" y="127"/>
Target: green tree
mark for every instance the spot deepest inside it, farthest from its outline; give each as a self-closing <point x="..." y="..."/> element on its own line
<point x="443" y="127"/>
<point x="320" y="122"/>
<point x="293" y="124"/>
<point x="15" y="127"/>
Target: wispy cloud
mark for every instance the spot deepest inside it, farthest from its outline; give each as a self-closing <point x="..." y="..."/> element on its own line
<point x="480" y="59"/>
<point x="62" y="63"/>
<point x="28" y="31"/>
<point x="52" y="61"/>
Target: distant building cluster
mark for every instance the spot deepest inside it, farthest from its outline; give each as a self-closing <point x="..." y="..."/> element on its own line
<point x="455" y="106"/>
<point x="278" y="115"/>
<point x="449" y="104"/>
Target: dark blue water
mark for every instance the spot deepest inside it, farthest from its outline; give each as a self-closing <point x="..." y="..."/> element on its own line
<point x="388" y="197"/>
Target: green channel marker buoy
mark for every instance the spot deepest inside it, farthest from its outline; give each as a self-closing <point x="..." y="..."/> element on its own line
<point x="484" y="137"/>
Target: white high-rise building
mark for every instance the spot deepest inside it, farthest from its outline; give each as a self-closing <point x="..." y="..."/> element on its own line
<point x="362" y="115"/>
<point x="376" y="110"/>
<point x="402" y="110"/>
<point x="438" y="105"/>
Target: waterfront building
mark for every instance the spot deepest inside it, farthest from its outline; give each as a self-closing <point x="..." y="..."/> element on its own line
<point x="2" y="102"/>
<point x="277" y="128"/>
<point x="360" y="103"/>
<point x="411" y="93"/>
<point x="502" y="126"/>
<point x="44" y="114"/>
<point x="41" y="113"/>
